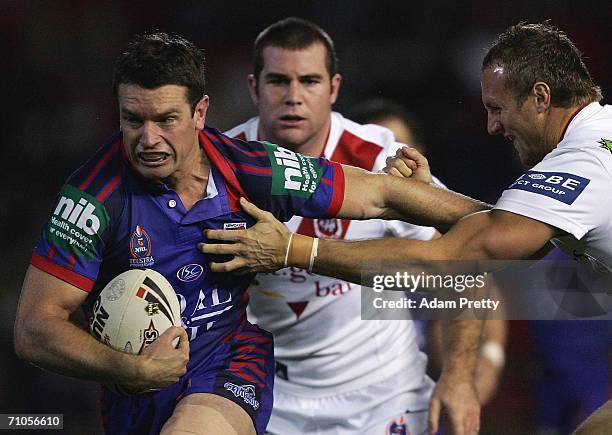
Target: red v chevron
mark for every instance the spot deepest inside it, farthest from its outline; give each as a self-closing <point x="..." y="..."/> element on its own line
<point x="297" y="307"/>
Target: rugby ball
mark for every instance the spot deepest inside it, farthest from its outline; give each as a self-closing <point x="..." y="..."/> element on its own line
<point x="133" y="309"/>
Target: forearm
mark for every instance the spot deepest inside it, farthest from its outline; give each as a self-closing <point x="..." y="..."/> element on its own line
<point x="461" y="340"/>
<point x="58" y="345"/>
<point x="369" y="196"/>
<point x="348" y="260"/>
<point x="427" y="204"/>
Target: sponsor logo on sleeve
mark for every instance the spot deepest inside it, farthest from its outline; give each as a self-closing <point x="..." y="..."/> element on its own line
<point x="77" y="222"/>
<point x="292" y="173"/>
<point x="561" y="186"/>
<point x="606" y="144"/>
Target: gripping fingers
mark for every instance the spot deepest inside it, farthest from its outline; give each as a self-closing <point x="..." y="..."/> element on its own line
<point x="218" y="248"/>
<point x="400" y="166"/>
<point x="225" y="235"/>
<point x="396" y="173"/>
<point x="414" y="155"/>
<point x="228" y="266"/>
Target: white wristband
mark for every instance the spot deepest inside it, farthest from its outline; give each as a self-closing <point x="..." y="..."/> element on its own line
<point x="288" y="248"/>
<point x="313" y="253"/>
<point x="494" y="352"/>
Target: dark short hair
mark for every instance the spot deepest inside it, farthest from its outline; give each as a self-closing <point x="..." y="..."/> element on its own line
<point x="293" y="34"/>
<point x="152" y="60"/>
<point x="381" y="109"/>
<point x="540" y="52"/>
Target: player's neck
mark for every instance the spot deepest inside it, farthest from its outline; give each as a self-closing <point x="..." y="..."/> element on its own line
<point x="559" y="119"/>
<point x="312" y="148"/>
<point x="190" y="183"/>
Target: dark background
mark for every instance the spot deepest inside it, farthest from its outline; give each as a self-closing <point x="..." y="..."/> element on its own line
<point x="58" y="107"/>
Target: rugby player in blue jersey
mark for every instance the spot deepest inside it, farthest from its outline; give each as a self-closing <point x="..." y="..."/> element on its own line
<point x="159" y="184"/>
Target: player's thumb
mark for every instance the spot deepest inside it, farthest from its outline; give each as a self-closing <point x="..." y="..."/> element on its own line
<point x="172" y="333"/>
<point x="252" y="209"/>
<point x="434" y="416"/>
<point x="183" y="343"/>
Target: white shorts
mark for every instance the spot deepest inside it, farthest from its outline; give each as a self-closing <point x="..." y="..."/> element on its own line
<point x="377" y="409"/>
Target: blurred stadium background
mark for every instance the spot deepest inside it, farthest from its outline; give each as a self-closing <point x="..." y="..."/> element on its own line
<point x="59" y="107"/>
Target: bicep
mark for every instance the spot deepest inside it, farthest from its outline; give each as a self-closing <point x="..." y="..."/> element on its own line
<point x="363" y="194"/>
<point x="494" y="235"/>
<point x="44" y="295"/>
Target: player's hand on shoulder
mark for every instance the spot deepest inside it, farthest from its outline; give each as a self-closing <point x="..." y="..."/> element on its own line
<point x="162" y="363"/>
<point x="409" y="163"/>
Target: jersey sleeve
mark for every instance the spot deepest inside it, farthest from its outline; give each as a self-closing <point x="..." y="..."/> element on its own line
<point x="567" y="190"/>
<point x="72" y="241"/>
<point x="276" y="179"/>
<point x="300" y="185"/>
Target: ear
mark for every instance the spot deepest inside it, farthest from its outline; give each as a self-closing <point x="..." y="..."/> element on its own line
<point x="252" y="83"/>
<point x="199" y="114"/>
<point x="541" y="92"/>
<point x="335" y="87"/>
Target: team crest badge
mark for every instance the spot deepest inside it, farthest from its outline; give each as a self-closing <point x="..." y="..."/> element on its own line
<point x="606" y="144"/>
<point x="141" y="248"/>
<point x="328" y="228"/>
<point x="398" y="427"/>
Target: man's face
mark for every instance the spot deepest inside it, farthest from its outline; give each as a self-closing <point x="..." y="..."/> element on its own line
<point x="520" y="124"/>
<point x="159" y="129"/>
<point x="294" y="95"/>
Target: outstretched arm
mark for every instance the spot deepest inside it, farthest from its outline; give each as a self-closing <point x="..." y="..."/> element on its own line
<point x="372" y="196"/>
<point x="489" y="235"/>
<point x="492" y="235"/>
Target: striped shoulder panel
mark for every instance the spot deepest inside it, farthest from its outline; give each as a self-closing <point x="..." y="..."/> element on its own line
<point x="101" y="175"/>
<point x="236" y="149"/>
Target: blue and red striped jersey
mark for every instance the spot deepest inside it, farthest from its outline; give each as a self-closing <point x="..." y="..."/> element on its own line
<point x="107" y="220"/>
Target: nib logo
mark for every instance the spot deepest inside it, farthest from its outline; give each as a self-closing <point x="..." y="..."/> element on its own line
<point x="83" y="211"/>
<point x="77" y="223"/>
<point x="297" y="307"/>
<point x="293" y="174"/>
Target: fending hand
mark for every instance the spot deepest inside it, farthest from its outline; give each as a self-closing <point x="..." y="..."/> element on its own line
<point x="261" y="248"/>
